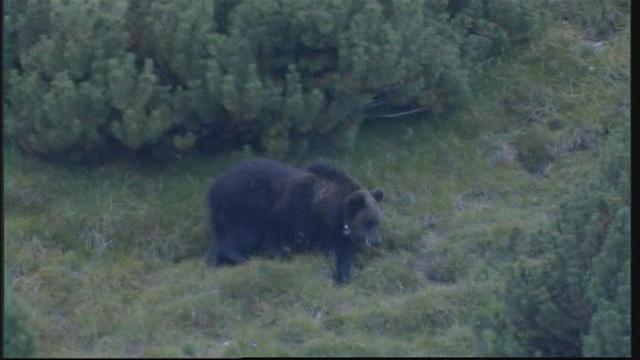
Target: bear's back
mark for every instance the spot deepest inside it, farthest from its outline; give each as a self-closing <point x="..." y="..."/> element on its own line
<point x="332" y="179"/>
<point x="246" y="189"/>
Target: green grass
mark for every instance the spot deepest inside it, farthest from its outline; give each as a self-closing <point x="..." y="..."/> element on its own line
<point x="109" y="260"/>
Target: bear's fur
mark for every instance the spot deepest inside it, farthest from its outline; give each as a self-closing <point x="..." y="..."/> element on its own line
<point x="266" y="206"/>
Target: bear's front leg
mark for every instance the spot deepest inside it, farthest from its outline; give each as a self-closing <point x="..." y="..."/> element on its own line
<point x="344" y="254"/>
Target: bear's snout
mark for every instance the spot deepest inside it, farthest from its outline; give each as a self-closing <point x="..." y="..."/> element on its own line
<point x="373" y="238"/>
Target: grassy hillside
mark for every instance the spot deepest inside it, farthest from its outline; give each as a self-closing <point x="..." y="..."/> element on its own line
<point x="109" y="260"/>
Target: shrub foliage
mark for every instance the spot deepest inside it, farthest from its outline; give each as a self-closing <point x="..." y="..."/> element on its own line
<point x="85" y="76"/>
<point x="17" y="339"/>
<point x="569" y="292"/>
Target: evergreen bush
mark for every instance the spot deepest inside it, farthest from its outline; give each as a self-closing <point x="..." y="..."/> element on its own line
<point x="17" y="339"/>
<point x="88" y="76"/>
<point x="598" y="18"/>
<point x="569" y="294"/>
<point x="533" y="148"/>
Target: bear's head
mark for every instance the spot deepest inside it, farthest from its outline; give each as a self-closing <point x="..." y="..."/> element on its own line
<point x="363" y="216"/>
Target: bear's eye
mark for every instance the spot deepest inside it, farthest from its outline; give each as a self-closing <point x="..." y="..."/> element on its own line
<point x="371" y="223"/>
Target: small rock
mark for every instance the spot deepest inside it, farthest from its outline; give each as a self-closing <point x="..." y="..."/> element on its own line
<point x="505" y="155"/>
<point x="596" y="47"/>
<point x="406" y="199"/>
<point x="475" y="199"/>
<point x="578" y="140"/>
<point x="428" y="221"/>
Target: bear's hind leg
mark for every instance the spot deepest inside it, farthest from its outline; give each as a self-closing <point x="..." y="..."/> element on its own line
<point x="231" y="257"/>
<point x="229" y="253"/>
<point x="225" y="247"/>
<point x="215" y="236"/>
<point x="241" y="240"/>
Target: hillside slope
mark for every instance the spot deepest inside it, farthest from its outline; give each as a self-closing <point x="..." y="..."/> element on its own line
<point x="109" y="261"/>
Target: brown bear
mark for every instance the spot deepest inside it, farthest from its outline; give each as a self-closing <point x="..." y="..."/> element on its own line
<point x="266" y="206"/>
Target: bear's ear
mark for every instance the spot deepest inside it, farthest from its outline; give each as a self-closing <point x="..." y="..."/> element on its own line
<point x="377" y="194"/>
<point x="355" y="202"/>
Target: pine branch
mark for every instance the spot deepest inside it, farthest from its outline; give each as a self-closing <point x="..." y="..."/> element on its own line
<point x="398" y="114"/>
<point x="376" y="103"/>
<point x="388" y="89"/>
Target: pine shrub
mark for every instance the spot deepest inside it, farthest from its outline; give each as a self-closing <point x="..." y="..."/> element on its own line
<point x="89" y="76"/>
<point x="570" y="295"/>
<point x="17" y="339"/>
